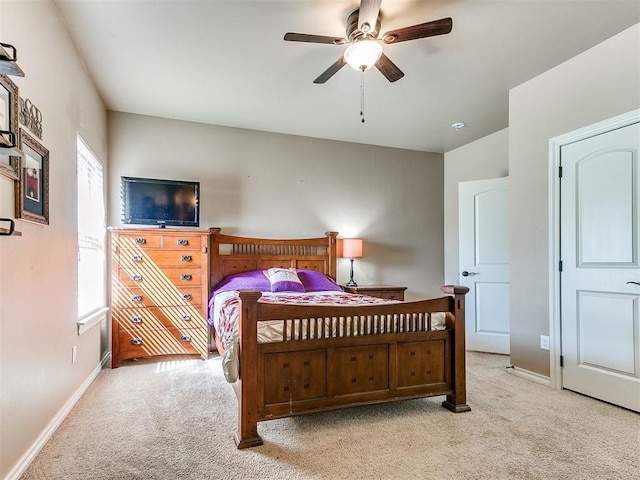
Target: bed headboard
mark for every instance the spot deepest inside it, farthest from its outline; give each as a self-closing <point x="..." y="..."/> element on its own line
<point x="230" y="254"/>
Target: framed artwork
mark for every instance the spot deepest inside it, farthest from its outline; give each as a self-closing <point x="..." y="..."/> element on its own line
<point x="9" y="106"/>
<point x="32" y="191"/>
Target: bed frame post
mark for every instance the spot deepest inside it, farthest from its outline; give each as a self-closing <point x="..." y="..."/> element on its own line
<point x="247" y="386"/>
<point x="215" y="272"/>
<point x="332" y="254"/>
<point x="457" y="402"/>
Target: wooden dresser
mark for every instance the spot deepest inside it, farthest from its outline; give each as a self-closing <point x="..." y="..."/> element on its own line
<point x="159" y="293"/>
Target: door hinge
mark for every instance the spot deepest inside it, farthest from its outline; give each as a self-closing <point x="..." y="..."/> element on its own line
<point x="560" y="266"/>
<point x="560" y="171"/>
<point x="562" y="360"/>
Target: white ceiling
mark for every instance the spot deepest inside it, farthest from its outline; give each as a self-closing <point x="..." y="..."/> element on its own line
<point x="226" y="63"/>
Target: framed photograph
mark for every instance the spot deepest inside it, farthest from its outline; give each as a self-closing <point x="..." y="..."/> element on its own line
<point x="9" y="106"/>
<point x="32" y="191"/>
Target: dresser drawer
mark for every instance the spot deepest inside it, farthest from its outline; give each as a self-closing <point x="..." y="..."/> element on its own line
<point x="173" y="296"/>
<point x="151" y="282"/>
<point x="151" y="259"/>
<point x="181" y="241"/>
<point x="134" y="344"/>
<point x="159" y="317"/>
<point x="153" y="240"/>
<point x="388" y="292"/>
<point x="160" y="278"/>
<point x="136" y="297"/>
<point x="136" y="241"/>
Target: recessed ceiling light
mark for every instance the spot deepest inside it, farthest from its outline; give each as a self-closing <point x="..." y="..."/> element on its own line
<point x="458" y="125"/>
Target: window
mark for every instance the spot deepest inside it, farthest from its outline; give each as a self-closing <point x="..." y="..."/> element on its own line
<point x="91" y="239"/>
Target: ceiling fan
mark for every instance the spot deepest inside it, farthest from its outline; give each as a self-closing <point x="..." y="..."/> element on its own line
<point x="365" y="51"/>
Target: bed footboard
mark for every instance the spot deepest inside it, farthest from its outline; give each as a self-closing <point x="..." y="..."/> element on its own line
<point x="348" y="356"/>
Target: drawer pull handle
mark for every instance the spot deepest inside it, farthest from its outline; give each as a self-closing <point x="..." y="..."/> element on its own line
<point x="187" y="296"/>
<point x="136" y="341"/>
<point x="185" y="276"/>
<point x="183" y="242"/>
<point x="186" y="258"/>
<point x="136" y="298"/>
<point x="185" y="317"/>
<point x="140" y="241"/>
<point x="185" y="338"/>
<point x="390" y="297"/>
<point x="136" y="277"/>
<point x="136" y="258"/>
<point x="136" y="319"/>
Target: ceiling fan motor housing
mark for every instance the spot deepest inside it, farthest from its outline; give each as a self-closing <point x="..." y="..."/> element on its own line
<point x="353" y="30"/>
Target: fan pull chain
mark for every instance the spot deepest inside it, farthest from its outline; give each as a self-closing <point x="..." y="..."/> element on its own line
<point x="362" y="97"/>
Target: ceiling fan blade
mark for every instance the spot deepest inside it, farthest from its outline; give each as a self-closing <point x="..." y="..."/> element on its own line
<point x="303" y="37"/>
<point x="389" y="69"/>
<point x="331" y="71"/>
<point x="368" y="14"/>
<point x="429" y="29"/>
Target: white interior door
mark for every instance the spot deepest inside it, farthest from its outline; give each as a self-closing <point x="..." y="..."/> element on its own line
<point x="484" y="262"/>
<point x="600" y="240"/>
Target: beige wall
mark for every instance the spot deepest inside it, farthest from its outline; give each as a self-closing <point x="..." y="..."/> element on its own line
<point x="264" y="184"/>
<point x="480" y="160"/>
<point x="38" y="305"/>
<point x="598" y="84"/>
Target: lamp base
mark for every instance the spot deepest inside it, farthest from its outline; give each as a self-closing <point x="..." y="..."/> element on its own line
<point x="351" y="282"/>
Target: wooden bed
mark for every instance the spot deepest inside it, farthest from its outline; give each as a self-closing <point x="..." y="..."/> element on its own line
<point x="403" y="359"/>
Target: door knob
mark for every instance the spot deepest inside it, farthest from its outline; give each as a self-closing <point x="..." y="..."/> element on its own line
<point x="467" y="274"/>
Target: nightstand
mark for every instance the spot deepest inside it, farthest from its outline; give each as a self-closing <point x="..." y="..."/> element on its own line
<point x="388" y="292"/>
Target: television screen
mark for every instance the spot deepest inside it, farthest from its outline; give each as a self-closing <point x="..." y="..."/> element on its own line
<point x="147" y="201"/>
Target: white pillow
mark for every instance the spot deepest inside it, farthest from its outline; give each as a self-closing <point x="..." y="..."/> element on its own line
<point x="284" y="280"/>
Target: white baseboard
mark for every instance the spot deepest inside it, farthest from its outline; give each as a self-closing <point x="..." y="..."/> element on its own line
<point x="16" y="472"/>
<point x="534" y="377"/>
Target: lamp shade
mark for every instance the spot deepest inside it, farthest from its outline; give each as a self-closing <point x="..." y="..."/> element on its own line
<point x="352" y="247"/>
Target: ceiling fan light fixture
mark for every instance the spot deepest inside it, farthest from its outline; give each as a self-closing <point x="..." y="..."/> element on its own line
<point x="363" y="54"/>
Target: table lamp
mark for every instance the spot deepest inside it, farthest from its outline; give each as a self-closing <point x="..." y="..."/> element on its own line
<point x="351" y="248"/>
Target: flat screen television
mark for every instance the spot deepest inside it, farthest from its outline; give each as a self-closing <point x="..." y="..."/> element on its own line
<point x="148" y="201"/>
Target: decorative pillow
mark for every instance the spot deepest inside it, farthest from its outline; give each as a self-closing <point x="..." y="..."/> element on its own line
<point x="284" y="280"/>
<point x="314" y="281"/>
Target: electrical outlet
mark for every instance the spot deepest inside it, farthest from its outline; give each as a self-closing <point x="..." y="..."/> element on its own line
<point x="544" y="342"/>
<point x="74" y="354"/>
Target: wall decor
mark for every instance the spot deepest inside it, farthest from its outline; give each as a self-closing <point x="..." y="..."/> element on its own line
<point x="9" y="165"/>
<point x="8" y="59"/>
<point x="31" y="117"/>
<point x="32" y="191"/>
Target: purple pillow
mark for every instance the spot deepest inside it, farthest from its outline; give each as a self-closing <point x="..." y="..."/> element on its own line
<point x="254" y="280"/>
<point x="314" y="281"/>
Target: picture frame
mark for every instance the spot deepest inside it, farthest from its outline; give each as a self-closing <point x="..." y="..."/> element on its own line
<point x="9" y="111"/>
<point x="32" y="191"/>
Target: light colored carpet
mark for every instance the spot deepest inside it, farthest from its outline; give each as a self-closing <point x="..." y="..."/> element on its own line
<point x="175" y="420"/>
